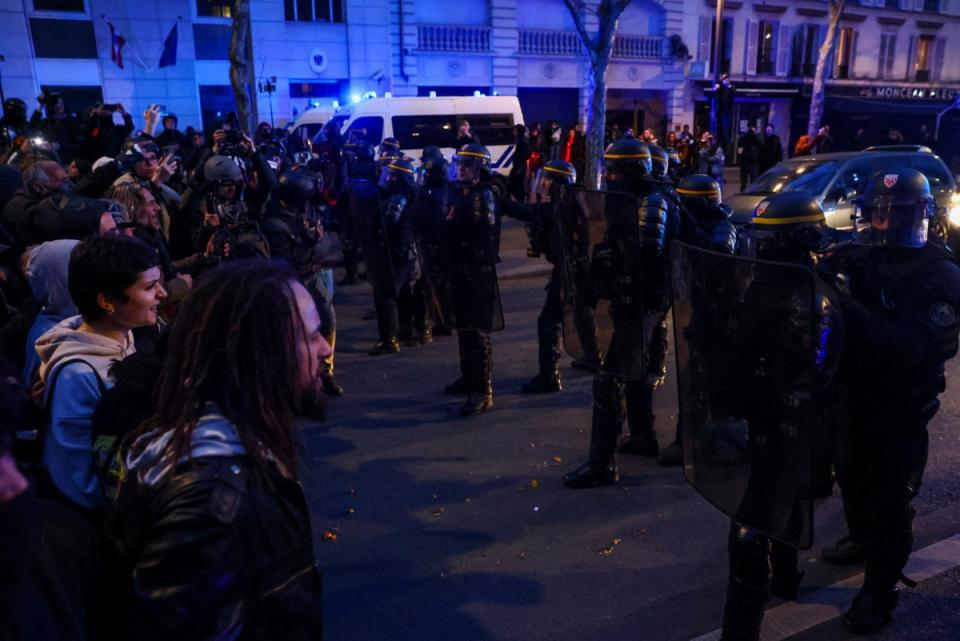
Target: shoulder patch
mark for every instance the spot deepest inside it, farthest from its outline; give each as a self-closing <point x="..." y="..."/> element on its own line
<point x="942" y="314"/>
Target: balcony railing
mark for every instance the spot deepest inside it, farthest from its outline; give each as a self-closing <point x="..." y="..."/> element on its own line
<point x="453" y="38"/>
<point x="638" y="47"/>
<point x="549" y="43"/>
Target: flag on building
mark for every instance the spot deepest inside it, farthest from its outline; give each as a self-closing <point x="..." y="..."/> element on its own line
<point x="116" y="45"/>
<point x="169" y="56"/>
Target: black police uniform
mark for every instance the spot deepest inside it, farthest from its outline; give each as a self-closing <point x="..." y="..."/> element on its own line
<point x="775" y="397"/>
<point x="396" y="200"/>
<point x="638" y="279"/>
<point x="429" y="228"/>
<point x="902" y="325"/>
<point x="544" y="236"/>
<point x="471" y="236"/>
<point x="705" y="222"/>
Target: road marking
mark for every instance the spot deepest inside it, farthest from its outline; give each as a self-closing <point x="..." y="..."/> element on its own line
<point x="811" y="610"/>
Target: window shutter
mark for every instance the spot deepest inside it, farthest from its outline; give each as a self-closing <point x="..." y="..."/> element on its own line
<point x="938" y="53"/>
<point x="911" y="63"/>
<point x="703" y="50"/>
<point x="753" y="31"/>
<point x="783" y="51"/>
<point x="852" y="62"/>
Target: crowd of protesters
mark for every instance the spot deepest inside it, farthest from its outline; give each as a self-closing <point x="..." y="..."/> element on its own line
<point x="150" y="382"/>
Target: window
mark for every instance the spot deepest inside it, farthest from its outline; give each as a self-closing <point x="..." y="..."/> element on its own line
<point x="77" y="99"/>
<point x="63" y="38"/>
<point x="313" y="10"/>
<point x="417" y="132"/>
<point x="214" y="8"/>
<point x="923" y="58"/>
<point x="767" y="48"/>
<point x="59" y="5"/>
<point x="368" y="128"/>
<point x="315" y="89"/>
<point x="846" y="50"/>
<point x="806" y="46"/>
<point x="888" y="51"/>
<point x="216" y="101"/>
<point x="492" y="129"/>
<point x="212" y="41"/>
<point x="705" y="50"/>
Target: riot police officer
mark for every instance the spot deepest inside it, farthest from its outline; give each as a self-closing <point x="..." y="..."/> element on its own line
<point x="293" y="229"/>
<point x="544" y="237"/>
<point x="901" y="309"/>
<point x="632" y="266"/>
<point x="397" y="195"/>
<point x="780" y="377"/>
<point x="471" y="233"/>
<point x="705" y="223"/>
<point x="430" y="215"/>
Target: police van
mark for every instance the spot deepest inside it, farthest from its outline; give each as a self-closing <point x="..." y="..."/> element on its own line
<point x="424" y="121"/>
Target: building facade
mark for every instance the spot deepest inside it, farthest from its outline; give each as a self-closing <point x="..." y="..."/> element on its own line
<point x="891" y="60"/>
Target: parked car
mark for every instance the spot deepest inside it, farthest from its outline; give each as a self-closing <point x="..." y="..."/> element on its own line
<point x="837" y="179"/>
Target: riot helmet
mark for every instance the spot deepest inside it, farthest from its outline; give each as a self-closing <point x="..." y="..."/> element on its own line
<point x="787" y="226"/>
<point x="560" y="171"/>
<point x="297" y="187"/>
<point x="223" y="175"/>
<point x="433" y="171"/>
<point x="473" y="161"/>
<point x="659" y="161"/>
<point x="430" y="152"/>
<point x="398" y="174"/>
<point x="627" y="159"/>
<point x="390" y="147"/>
<point x="894" y="210"/>
<point x="673" y="162"/>
<point x="700" y="195"/>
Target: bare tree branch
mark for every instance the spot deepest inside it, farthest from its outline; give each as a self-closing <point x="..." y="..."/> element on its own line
<point x="577" y="9"/>
<point x="819" y="77"/>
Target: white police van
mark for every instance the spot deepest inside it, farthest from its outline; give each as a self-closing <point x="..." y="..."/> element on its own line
<point x="424" y="121"/>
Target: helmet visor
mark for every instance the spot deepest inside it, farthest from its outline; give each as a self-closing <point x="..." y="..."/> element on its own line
<point x="887" y="222"/>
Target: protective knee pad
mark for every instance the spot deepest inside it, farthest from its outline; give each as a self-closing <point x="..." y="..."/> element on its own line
<point x="749" y="553"/>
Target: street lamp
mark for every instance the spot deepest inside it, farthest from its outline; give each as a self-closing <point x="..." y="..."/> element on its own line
<point x="717" y="58"/>
<point x="268" y="86"/>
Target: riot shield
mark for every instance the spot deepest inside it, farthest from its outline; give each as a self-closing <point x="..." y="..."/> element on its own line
<point x="372" y="236"/>
<point x="604" y="324"/>
<point x="470" y="239"/>
<point x="746" y="370"/>
<point x="429" y="228"/>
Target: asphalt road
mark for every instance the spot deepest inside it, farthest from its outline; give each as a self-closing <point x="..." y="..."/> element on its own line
<point x="434" y="527"/>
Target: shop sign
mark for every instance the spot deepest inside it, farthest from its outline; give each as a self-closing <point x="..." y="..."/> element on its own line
<point x="896" y="92"/>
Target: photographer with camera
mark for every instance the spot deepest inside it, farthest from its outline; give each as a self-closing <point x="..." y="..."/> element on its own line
<point x="56" y="124"/>
<point x="218" y="211"/>
<point x="108" y="126"/>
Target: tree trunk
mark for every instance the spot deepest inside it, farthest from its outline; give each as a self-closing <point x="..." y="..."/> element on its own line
<point x="241" y="65"/>
<point x="598" y="50"/>
<point x="819" y="78"/>
<point x="596" y="123"/>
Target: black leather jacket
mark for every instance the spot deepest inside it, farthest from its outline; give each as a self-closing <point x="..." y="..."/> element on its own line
<point x="216" y="552"/>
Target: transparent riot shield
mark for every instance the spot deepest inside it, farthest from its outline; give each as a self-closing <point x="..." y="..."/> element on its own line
<point x="470" y="239"/>
<point x="429" y="228"/>
<point x="604" y="326"/>
<point x="372" y="236"/>
<point x="746" y="370"/>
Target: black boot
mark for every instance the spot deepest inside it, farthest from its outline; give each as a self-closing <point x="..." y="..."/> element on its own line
<point x="587" y="365"/>
<point x="425" y="335"/>
<point x="388" y="346"/>
<point x="871" y="611"/>
<point x="601" y="468"/>
<point x="480" y="378"/>
<point x="846" y="551"/>
<point x="748" y="585"/>
<point x="543" y="384"/>
<point x="640" y="419"/>
<point x="672" y="455"/>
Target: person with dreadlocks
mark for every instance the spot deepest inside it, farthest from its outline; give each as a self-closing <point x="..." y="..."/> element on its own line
<point x="212" y="524"/>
